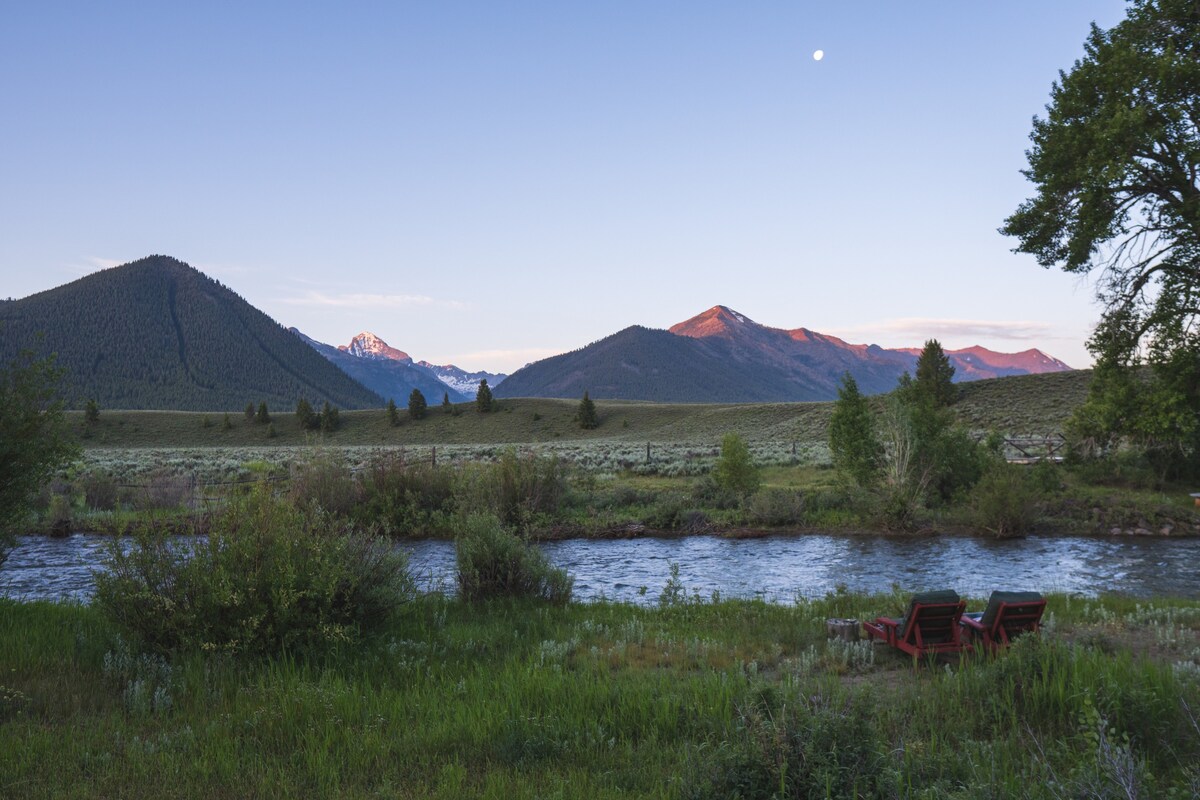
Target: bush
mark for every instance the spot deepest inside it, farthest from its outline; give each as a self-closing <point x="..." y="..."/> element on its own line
<point x="776" y="507"/>
<point x="520" y="490"/>
<point x="735" y="470"/>
<point x="493" y="562"/>
<point x="163" y="489"/>
<point x="100" y="490"/>
<point x="1005" y="501"/>
<point x="405" y="498"/>
<point x="268" y="579"/>
<point x="325" y="483"/>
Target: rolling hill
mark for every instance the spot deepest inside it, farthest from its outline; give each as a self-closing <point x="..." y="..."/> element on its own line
<point x="156" y="333"/>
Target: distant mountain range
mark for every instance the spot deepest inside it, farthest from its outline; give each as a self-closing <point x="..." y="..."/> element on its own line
<point x="156" y="333"/>
<point x="392" y="373"/>
<point x="722" y="356"/>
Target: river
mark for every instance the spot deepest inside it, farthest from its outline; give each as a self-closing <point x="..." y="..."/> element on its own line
<point x="776" y="568"/>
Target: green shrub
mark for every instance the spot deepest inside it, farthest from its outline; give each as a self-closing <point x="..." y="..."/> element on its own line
<point x="735" y="470"/>
<point x="269" y="578"/>
<point x="494" y="562"/>
<point x="1005" y="501"/>
<point x="521" y="490"/>
<point x="776" y="507"/>
<point x="799" y="746"/>
<point x="324" y="482"/>
<point x="100" y="490"/>
<point x="405" y="498"/>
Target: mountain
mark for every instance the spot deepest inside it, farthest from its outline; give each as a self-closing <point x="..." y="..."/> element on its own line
<point x="156" y="333"/>
<point x="462" y="381"/>
<point x="383" y="369"/>
<point x="723" y="356"/>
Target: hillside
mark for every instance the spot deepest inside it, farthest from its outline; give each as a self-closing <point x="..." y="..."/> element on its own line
<point x="722" y="356"/>
<point x="156" y="333"/>
<point x="1029" y="404"/>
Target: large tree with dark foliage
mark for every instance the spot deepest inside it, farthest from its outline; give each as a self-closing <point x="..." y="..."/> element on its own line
<point x="1116" y="163"/>
<point x="935" y="375"/>
<point x="34" y="440"/>
<point x="417" y="406"/>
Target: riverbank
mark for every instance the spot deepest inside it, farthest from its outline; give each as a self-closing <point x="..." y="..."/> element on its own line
<point x="685" y="699"/>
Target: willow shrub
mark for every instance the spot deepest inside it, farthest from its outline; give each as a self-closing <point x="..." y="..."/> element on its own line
<point x="493" y="562"/>
<point x="269" y="578"/>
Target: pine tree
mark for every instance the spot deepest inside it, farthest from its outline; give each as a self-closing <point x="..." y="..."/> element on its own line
<point x="483" y="398"/>
<point x="853" y="440"/>
<point x="91" y="411"/>
<point x="249" y="412"/>
<point x="586" y="415"/>
<point x="393" y="415"/>
<point x="305" y="414"/>
<point x="416" y="404"/>
<point x="263" y="416"/>
<point x="935" y="375"/>
<point x="329" y="418"/>
<point x="446" y="405"/>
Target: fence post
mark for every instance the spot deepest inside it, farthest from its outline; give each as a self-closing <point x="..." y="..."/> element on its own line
<point x="433" y="456"/>
<point x="647" y="452"/>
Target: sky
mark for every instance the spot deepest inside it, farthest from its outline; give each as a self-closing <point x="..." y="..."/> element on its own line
<point x="491" y="183"/>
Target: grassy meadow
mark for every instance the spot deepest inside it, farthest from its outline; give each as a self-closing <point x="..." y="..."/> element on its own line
<point x="689" y="699"/>
<point x="1029" y="404"/>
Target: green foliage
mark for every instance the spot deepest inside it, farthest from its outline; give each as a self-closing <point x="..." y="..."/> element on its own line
<point x="493" y="562"/>
<point x="520" y="490"/>
<point x="735" y="470"/>
<point x="935" y="375"/>
<point x="91" y="411"/>
<point x="586" y="415"/>
<point x="1115" y="166"/>
<point x="1155" y="410"/>
<point x="853" y="441"/>
<point x="305" y="416"/>
<point x="249" y="412"/>
<point x="393" y="414"/>
<point x="416" y="404"/>
<point x="324" y="483"/>
<point x="447" y="407"/>
<point x="34" y="441"/>
<point x="483" y="397"/>
<point x="329" y="418"/>
<point x="268" y="579"/>
<point x="1005" y="500"/>
<point x="1115" y="163"/>
<point x="262" y="417"/>
<point x="405" y="499"/>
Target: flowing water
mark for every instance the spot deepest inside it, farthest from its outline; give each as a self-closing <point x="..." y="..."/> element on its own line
<point x="777" y="568"/>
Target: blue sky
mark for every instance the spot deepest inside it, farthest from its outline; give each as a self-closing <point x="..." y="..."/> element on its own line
<point x="491" y="183"/>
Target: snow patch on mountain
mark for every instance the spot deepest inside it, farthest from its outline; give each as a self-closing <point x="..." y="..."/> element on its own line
<point x="460" y="380"/>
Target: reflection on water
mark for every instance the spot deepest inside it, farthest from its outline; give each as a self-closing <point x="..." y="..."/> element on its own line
<point x="778" y="568"/>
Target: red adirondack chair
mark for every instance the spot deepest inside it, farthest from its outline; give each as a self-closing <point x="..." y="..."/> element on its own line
<point x="1008" y="614"/>
<point x="930" y="625"/>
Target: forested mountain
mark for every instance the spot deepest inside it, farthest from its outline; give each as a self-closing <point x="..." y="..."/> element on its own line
<point x="156" y="333"/>
<point x="383" y="369"/>
<point x="721" y="356"/>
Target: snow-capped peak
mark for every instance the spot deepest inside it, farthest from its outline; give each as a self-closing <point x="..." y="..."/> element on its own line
<point x="368" y="345"/>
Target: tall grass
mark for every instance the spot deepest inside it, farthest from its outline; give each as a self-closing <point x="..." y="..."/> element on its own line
<point x="525" y="699"/>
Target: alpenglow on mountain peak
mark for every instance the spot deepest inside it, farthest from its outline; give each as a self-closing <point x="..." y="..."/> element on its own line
<point x="368" y="345"/>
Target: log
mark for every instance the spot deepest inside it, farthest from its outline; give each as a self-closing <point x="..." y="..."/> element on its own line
<point x="845" y="629"/>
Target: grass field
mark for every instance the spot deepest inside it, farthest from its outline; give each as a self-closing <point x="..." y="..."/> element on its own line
<point x="685" y="700"/>
<point x="1019" y="405"/>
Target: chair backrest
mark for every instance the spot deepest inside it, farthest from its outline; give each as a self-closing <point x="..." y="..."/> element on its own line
<point x="1015" y="611"/>
<point x="934" y="616"/>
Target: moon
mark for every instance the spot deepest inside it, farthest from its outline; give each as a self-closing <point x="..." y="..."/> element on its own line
<point x="818" y="55"/>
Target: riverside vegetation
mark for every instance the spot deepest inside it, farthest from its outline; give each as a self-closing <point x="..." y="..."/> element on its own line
<point x="694" y="698"/>
<point x="644" y="468"/>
